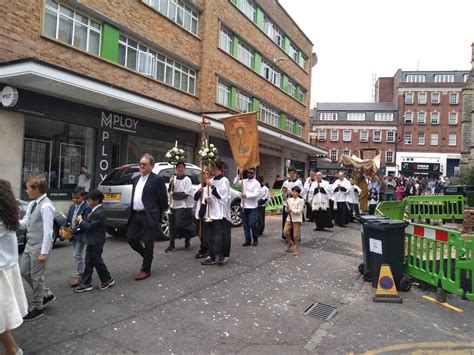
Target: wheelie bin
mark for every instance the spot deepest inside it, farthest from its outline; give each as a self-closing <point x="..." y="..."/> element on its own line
<point x="364" y="219"/>
<point x="386" y="241"/>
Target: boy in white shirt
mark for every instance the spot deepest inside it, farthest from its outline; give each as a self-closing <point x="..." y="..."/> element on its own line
<point x="294" y="208"/>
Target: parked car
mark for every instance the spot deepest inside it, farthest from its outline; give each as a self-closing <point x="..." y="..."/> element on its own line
<point x="458" y="189"/>
<point x="117" y="188"/>
<point x="59" y="220"/>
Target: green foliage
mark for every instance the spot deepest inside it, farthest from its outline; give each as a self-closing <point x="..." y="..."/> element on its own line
<point x="465" y="177"/>
<point x="470" y="198"/>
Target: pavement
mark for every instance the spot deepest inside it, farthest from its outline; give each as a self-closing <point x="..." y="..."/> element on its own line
<point x="252" y="305"/>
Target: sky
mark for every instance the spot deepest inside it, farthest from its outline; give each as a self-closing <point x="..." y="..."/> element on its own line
<point x="357" y="39"/>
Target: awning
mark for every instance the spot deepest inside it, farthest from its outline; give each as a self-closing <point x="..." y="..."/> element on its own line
<point x="54" y="81"/>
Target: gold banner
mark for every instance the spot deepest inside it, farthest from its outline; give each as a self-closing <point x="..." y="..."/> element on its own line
<point x="242" y="133"/>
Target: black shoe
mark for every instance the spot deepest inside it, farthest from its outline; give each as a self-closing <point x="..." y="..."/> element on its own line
<point x="200" y="255"/>
<point x="208" y="261"/>
<point x="105" y="285"/>
<point x="255" y="243"/>
<point x="246" y="244"/>
<point x="33" y="314"/>
<point x="83" y="288"/>
<point x="48" y="299"/>
<point x="170" y="249"/>
<point x="222" y="260"/>
<point x="187" y="243"/>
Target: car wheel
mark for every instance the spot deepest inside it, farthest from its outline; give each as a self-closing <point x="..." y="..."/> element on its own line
<point x="164" y="231"/>
<point x="56" y="236"/>
<point x="116" y="231"/>
<point x="235" y="209"/>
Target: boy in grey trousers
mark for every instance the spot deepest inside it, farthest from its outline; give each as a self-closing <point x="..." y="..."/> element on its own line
<point x="38" y="223"/>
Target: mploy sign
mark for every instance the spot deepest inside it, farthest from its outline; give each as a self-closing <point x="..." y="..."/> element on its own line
<point x="421" y="167"/>
<point x="119" y="122"/>
<point x="9" y="96"/>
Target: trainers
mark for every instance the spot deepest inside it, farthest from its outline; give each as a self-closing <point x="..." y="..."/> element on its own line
<point x="75" y="282"/>
<point x="200" y="255"/>
<point x="187" y="243"/>
<point x="83" y="288"/>
<point x="222" y="260"/>
<point x="33" y="314"/>
<point x="105" y="285"/>
<point x="170" y="249"/>
<point x="208" y="261"/>
<point x="47" y="299"/>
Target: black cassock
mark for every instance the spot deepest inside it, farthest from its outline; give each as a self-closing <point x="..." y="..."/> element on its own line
<point x="342" y="213"/>
<point x="322" y="218"/>
<point x="181" y="220"/>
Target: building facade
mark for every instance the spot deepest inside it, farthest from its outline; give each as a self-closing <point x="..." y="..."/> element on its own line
<point x="429" y="107"/>
<point x="355" y="128"/>
<point x="99" y="83"/>
<point x="467" y="154"/>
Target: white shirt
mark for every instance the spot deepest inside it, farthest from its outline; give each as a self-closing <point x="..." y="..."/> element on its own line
<point x="354" y="195"/>
<point x="341" y="196"/>
<point x="297" y="206"/>
<point x="251" y="188"/>
<point x="320" y="200"/>
<point x="307" y="193"/>
<point x="84" y="182"/>
<point x="213" y="207"/>
<point x="264" y="195"/>
<point x="223" y="189"/>
<point x="183" y="185"/>
<point x="289" y="185"/>
<point x="137" y="196"/>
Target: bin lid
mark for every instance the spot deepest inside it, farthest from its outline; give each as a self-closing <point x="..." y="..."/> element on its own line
<point x="368" y="218"/>
<point x="388" y="224"/>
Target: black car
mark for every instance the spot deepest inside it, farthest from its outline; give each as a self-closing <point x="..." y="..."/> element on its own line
<point x="458" y="189"/>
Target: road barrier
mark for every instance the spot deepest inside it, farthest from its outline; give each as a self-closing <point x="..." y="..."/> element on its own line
<point x="276" y="202"/>
<point x="440" y="257"/>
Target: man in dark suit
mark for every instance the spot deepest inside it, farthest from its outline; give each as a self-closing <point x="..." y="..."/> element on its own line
<point x="149" y="201"/>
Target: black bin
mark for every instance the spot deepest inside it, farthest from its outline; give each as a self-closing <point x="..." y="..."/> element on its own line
<point x="365" y="219"/>
<point x="387" y="248"/>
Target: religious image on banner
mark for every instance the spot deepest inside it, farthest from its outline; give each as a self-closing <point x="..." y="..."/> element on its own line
<point x="242" y="132"/>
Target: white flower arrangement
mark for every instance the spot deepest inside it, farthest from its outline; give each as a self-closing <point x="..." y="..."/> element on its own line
<point x="208" y="154"/>
<point x="176" y="155"/>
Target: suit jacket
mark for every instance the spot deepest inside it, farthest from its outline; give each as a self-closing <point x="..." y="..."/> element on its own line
<point x="154" y="198"/>
<point x="77" y="232"/>
<point x="93" y="226"/>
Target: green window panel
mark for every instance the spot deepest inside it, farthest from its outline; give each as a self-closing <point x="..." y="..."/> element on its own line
<point x="110" y="43"/>
<point x="296" y="129"/>
<point x="259" y="18"/>
<point x="283" y="120"/>
<point x="257" y="62"/>
<point x="237" y="3"/>
<point x="256" y="105"/>
<point x="235" y="46"/>
<point x="286" y="45"/>
<point x="284" y="83"/>
<point x="298" y="92"/>
<point x="233" y="97"/>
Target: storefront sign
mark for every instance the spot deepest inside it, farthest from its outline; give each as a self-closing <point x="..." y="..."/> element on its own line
<point x="269" y="148"/>
<point x="421" y="168"/>
<point x="9" y="96"/>
<point x="119" y="122"/>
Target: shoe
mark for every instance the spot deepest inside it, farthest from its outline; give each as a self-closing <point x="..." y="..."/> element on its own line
<point x="48" y="299"/>
<point x="246" y="244"/>
<point x="222" y="260"/>
<point x="142" y="275"/>
<point x="200" y="255"/>
<point x="33" y="314"/>
<point x="105" y="285"/>
<point x="170" y="249"/>
<point x="19" y="352"/>
<point x="75" y="282"/>
<point x="296" y="252"/>
<point x="255" y="243"/>
<point x="187" y="244"/>
<point x="208" y="261"/>
<point x="83" y="288"/>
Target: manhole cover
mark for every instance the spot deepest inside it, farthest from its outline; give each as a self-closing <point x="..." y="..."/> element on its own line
<point x="322" y="311"/>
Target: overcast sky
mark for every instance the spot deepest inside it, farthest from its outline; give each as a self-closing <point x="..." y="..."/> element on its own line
<point x="356" y="39"/>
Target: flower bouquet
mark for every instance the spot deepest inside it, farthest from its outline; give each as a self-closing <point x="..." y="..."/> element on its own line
<point x="208" y="154"/>
<point x="176" y="155"/>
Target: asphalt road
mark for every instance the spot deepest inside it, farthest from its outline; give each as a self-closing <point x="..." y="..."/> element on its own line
<point x="253" y="305"/>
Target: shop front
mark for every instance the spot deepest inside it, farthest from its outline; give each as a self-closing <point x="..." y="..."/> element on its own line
<point x="421" y="169"/>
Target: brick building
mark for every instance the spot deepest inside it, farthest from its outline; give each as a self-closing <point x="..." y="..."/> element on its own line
<point x="348" y="128"/>
<point x="429" y="107"/>
<point x="100" y="82"/>
<point x="467" y="154"/>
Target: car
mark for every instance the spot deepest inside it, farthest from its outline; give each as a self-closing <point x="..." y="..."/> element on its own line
<point x="458" y="189"/>
<point x="59" y="220"/>
<point x="117" y="188"/>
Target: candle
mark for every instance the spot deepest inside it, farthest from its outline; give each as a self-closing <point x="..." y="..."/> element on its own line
<point x="176" y="144"/>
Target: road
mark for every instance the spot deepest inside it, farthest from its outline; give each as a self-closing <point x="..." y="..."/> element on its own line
<point x="253" y="305"/>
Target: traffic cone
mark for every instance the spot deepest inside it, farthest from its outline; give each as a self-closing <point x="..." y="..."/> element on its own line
<point x="386" y="289"/>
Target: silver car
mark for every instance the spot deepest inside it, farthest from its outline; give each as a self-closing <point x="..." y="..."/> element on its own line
<point x="117" y="188"/>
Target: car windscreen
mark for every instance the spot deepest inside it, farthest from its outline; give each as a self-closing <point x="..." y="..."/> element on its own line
<point x="121" y="176"/>
<point x="193" y="174"/>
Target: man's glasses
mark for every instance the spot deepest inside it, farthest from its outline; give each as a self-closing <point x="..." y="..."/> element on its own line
<point x="143" y="164"/>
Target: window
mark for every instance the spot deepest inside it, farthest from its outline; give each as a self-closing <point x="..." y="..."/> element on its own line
<point x="346" y="152"/>
<point x="435" y="97"/>
<point x="68" y="26"/>
<point x="225" y="40"/>
<point x="389" y="156"/>
<point x="453" y="118"/>
<point x="453" y="98"/>
<point x="244" y="102"/>
<point x="302" y="95"/>
<point x="334" y="135"/>
<point x="384" y="116"/>
<point x="415" y="78"/>
<point x="333" y="154"/>
<point x="178" y="12"/>
<point x="444" y="78"/>
<point x="421" y="117"/>
<point x="390" y="137"/>
<point x="434" y="139"/>
<point x="434" y="117"/>
<point x="223" y="94"/>
<point x="377" y="136"/>
<point x="408" y="117"/>
<point x="292" y="88"/>
<point x="407" y="138"/>
<point x="269" y="116"/>
<point x="272" y="31"/>
<point x="364" y="136"/>
<point x="299" y="128"/>
<point x="328" y="116"/>
<point x="303" y="60"/>
<point x="293" y="52"/>
<point x="421" y="139"/>
<point x="248" y="8"/>
<point x="356" y="116"/>
<point x="271" y="74"/>
<point x="452" y="139"/>
<point x="245" y="55"/>
<point x="322" y="135"/>
<point x="466" y="76"/>
<point x="146" y="61"/>
<point x="408" y="97"/>
<point x="346" y="135"/>
<point x="422" y="98"/>
<point x="289" y="126"/>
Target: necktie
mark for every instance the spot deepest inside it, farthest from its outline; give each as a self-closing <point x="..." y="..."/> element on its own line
<point x="33" y="207"/>
<point x="75" y="213"/>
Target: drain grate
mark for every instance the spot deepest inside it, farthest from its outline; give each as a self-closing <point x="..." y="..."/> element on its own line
<point x="322" y="311"/>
